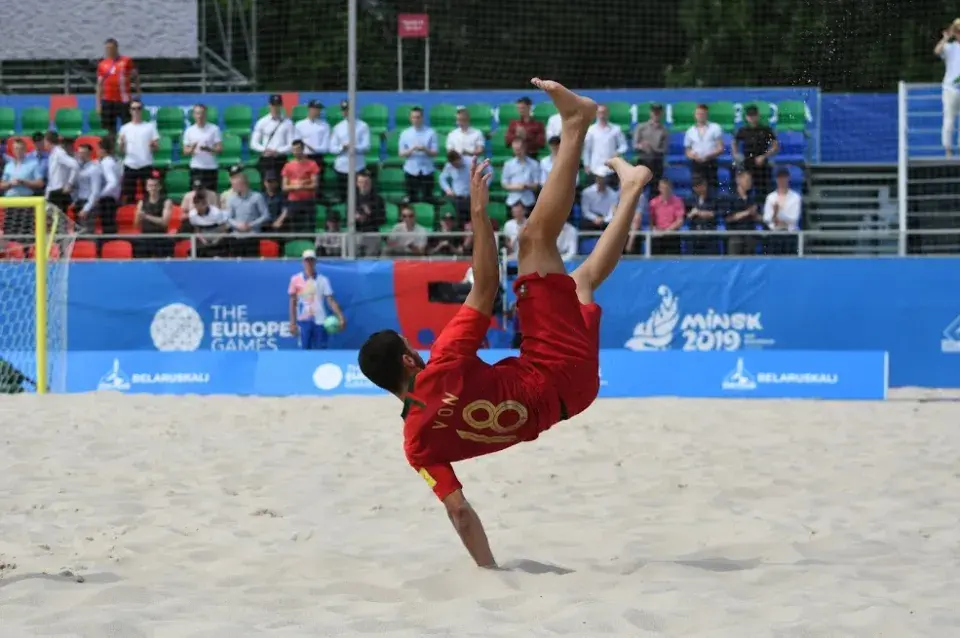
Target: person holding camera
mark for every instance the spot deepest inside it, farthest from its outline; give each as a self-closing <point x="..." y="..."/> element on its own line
<point x="202" y="142"/>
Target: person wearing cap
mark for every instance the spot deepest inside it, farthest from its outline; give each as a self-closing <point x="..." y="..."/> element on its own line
<point x="465" y="140"/>
<point x="948" y="50"/>
<point x="650" y="141"/>
<point x="300" y="176"/>
<point x="340" y="146"/>
<point x="753" y="146"/>
<point x="781" y="212"/>
<point x="247" y="210"/>
<point x="272" y="136"/>
<point x="604" y="141"/>
<point x="443" y="242"/>
<point x="314" y="132"/>
<point x="202" y="142"/>
<point x="526" y="128"/>
<point x="153" y="219"/>
<point x="196" y="189"/>
<point x="310" y="294"/>
<point x="704" y="143"/>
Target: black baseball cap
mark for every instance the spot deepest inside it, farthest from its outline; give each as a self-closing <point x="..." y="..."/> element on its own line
<point x="314" y="104"/>
<point x="752" y="110"/>
<point x="276" y="100"/>
<point x="236" y="169"/>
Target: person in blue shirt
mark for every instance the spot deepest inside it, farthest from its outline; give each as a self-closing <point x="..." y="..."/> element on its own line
<point x="20" y="178"/>
<point x="455" y="183"/>
<point x="418" y="147"/>
<point x="43" y="159"/>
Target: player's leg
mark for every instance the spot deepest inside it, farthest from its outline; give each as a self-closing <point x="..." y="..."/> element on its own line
<point x="538" y="240"/>
<point x="605" y="256"/>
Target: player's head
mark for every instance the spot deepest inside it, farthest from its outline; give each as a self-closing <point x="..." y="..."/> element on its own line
<point x="110" y="48"/>
<point x="388" y="361"/>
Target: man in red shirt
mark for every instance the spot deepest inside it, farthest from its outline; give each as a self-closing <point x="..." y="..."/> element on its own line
<point x="529" y="130"/>
<point x="116" y="74"/>
<point x="456" y="406"/>
<point x="300" y="177"/>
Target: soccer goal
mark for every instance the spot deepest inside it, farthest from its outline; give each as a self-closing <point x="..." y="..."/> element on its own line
<point x="35" y="249"/>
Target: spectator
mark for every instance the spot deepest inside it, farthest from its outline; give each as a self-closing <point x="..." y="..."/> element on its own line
<point x="702" y="216"/>
<point x="948" y="50"/>
<point x="314" y="132"/>
<point x="210" y="224"/>
<point x="754" y="144"/>
<point x="704" y="143"/>
<point x="513" y="226"/>
<point x="443" y="243"/>
<point x="597" y="204"/>
<point x="455" y="182"/>
<point x="340" y="146"/>
<point x="115" y="75"/>
<point x="604" y="141"/>
<point x="371" y="215"/>
<point x="418" y="147"/>
<point x="310" y="293"/>
<point x="89" y="185"/>
<point x="247" y="211"/>
<point x="330" y="242"/>
<point x="781" y="212"/>
<point x="61" y="172"/>
<point x="300" y="177"/>
<point x="554" y="126"/>
<point x="272" y="136"/>
<point x="20" y="178"/>
<point x="407" y="237"/>
<point x="667" y="215"/>
<point x="43" y="159"/>
<point x="202" y="142"/>
<point x="546" y="164"/>
<point x="465" y="140"/>
<point x="521" y="176"/>
<point x="276" y="203"/>
<point x="744" y="216"/>
<point x="112" y="176"/>
<point x="650" y="141"/>
<point x="529" y="130"/>
<point x="567" y="241"/>
<point x="138" y="141"/>
<point x="198" y="188"/>
<point x="153" y="219"/>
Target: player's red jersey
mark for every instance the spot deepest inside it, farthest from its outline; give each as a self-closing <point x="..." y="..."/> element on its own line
<point x="115" y="76"/>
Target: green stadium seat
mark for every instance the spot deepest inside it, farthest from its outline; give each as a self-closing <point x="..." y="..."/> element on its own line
<point x="34" y="119"/>
<point x="392" y="213"/>
<point x="232" y="150"/>
<point x="223" y="180"/>
<point x="163" y="156"/>
<point x="723" y="113"/>
<point x="170" y="121"/>
<point x="295" y="248"/>
<point x="213" y="115"/>
<point x="94" y="125"/>
<point x="481" y="117"/>
<point x="393" y="158"/>
<point x="543" y="111"/>
<point x="791" y="116"/>
<point x="265" y="111"/>
<point x="497" y="211"/>
<point x="620" y="114"/>
<point x="377" y="117"/>
<point x="334" y="117"/>
<point x="498" y="148"/>
<point x="238" y="120"/>
<point x="425" y="214"/>
<point x="8" y="122"/>
<point x="177" y="183"/>
<point x="253" y="177"/>
<point x="392" y="183"/>
<point x="682" y="115"/>
<point x="506" y="113"/>
<point x="299" y="112"/>
<point x="443" y="116"/>
<point x="401" y="116"/>
<point x="69" y="122"/>
<point x="320" y="218"/>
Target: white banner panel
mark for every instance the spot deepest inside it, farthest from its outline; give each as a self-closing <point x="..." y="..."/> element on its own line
<point x="76" y="29"/>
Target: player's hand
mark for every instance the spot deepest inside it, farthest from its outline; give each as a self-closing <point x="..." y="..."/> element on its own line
<point x="480" y="184"/>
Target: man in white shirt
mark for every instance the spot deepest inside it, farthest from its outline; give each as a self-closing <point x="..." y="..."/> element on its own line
<point x="407" y="237"/>
<point x="604" y="141"/>
<point x="202" y="142"/>
<point x="704" y="143"/>
<point x="597" y="204"/>
<point x="340" y="146"/>
<point x="89" y="185"/>
<point x="567" y="241"/>
<point x="948" y="50"/>
<point x="467" y="141"/>
<point x="781" y="212"/>
<point x="138" y="141"/>
<point x="272" y="137"/>
<point x="314" y="132"/>
<point x="110" y="193"/>
<point x="520" y="176"/>
<point x="511" y="228"/>
<point x="61" y="172"/>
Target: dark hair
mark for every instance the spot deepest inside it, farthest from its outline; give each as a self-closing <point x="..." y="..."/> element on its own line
<point x="296" y="143"/>
<point x="525" y="100"/>
<point x="698" y="181"/>
<point x="107" y="143"/>
<point x="112" y="41"/>
<point x="381" y="359"/>
<point x="453" y="156"/>
<point x="407" y="206"/>
<point x="200" y="106"/>
<point x="417" y="109"/>
<point x="703" y="106"/>
<point x="136" y="100"/>
<point x="52" y="136"/>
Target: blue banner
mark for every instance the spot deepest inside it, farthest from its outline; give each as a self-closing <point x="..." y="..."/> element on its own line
<point x="796" y="375"/>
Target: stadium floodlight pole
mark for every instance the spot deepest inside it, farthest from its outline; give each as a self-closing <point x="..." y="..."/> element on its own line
<point x="352" y="126"/>
<point x="902" y="167"/>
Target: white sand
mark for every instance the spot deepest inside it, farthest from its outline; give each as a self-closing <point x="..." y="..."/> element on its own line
<point x="233" y="518"/>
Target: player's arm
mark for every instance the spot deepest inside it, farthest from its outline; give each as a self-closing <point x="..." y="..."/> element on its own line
<point x="486" y="261"/>
<point x="467" y="523"/>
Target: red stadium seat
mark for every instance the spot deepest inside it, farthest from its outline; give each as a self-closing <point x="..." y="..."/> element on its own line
<point x="84" y="249"/>
<point x="54" y="252"/>
<point x="125" y="220"/>
<point x="92" y="140"/>
<point x="176" y="218"/>
<point x="116" y="249"/>
<point x="181" y="249"/>
<point x="269" y="248"/>
<point x="30" y="146"/>
<point x="12" y="250"/>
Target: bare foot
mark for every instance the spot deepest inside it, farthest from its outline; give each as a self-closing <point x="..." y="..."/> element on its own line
<point x="569" y="105"/>
<point x="631" y="177"/>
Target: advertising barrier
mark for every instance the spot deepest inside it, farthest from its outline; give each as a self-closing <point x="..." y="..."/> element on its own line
<point x="720" y="374"/>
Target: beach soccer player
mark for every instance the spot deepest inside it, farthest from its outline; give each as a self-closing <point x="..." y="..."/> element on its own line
<point x="456" y="406"/>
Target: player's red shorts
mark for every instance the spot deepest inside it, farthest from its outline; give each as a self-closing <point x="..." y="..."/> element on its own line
<point x="561" y="337"/>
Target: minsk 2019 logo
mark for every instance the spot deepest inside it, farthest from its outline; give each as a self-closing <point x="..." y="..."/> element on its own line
<point x="710" y="330"/>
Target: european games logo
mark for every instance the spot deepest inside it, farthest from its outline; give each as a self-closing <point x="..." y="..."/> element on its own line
<point x="951" y="337"/>
<point x="176" y="328"/>
<point x="330" y="376"/>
